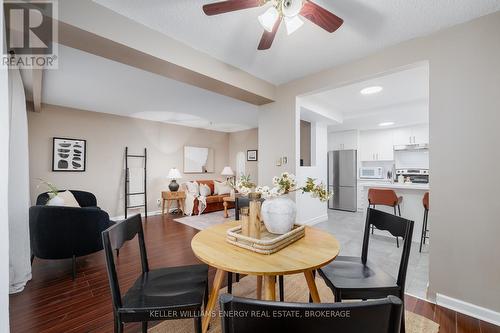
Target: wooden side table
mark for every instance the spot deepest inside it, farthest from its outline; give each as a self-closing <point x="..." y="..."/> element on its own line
<point x="226" y="204"/>
<point x="168" y="197"/>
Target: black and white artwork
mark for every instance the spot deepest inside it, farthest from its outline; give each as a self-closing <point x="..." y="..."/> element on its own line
<point x="251" y="155"/>
<point x="68" y="155"/>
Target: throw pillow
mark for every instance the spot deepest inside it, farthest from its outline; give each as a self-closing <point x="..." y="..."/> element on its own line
<point x="69" y="199"/>
<point x="193" y="188"/>
<point x="223" y="188"/>
<point x="205" y="190"/>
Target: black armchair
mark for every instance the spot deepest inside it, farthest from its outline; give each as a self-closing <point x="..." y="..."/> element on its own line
<point x="58" y="232"/>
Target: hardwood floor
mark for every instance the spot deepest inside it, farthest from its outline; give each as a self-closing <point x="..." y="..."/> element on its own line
<point x="53" y="303"/>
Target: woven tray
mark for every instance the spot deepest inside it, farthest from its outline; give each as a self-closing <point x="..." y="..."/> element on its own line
<point x="268" y="243"/>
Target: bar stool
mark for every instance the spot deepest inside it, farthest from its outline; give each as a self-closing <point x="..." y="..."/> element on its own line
<point x="425" y="202"/>
<point x="385" y="197"/>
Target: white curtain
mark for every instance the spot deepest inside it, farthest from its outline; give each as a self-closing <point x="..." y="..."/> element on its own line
<point x="19" y="197"/>
<point x="4" y="176"/>
<point x="240" y="164"/>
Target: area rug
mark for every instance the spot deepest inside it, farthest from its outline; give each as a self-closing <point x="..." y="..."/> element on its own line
<point x="204" y="221"/>
<point x="295" y="291"/>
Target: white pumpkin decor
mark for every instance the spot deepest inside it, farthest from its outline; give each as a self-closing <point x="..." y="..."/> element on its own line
<point x="278" y="214"/>
<point x="278" y="210"/>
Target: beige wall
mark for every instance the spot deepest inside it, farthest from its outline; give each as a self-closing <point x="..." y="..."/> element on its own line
<point x="464" y="117"/>
<point x="107" y="136"/>
<point x="241" y="142"/>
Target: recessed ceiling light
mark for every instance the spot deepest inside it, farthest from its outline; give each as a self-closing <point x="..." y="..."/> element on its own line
<point x="387" y="123"/>
<point x="371" y="90"/>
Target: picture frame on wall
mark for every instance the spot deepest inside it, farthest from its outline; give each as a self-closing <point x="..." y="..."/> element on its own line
<point x="69" y="155"/>
<point x="252" y="155"/>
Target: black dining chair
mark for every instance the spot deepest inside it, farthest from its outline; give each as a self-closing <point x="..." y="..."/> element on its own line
<point x="378" y="316"/>
<point x="157" y="294"/>
<point x="358" y="278"/>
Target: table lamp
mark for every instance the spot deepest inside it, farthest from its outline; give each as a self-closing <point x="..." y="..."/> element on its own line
<point x="227" y="171"/>
<point x="174" y="174"/>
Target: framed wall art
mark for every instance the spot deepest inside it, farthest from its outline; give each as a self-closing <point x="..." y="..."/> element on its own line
<point x="252" y="155"/>
<point x="69" y="154"/>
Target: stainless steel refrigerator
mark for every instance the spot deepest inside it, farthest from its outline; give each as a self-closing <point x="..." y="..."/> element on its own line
<point x="342" y="179"/>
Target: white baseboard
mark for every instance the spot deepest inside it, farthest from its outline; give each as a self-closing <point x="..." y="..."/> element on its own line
<point x="122" y="217"/>
<point x="468" y="309"/>
<point x="315" y="220"/>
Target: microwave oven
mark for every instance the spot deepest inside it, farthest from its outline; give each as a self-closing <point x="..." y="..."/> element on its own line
<point x="371" y="173"/>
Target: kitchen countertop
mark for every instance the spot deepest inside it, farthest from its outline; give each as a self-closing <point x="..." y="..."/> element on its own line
<point x="387" y="184"/>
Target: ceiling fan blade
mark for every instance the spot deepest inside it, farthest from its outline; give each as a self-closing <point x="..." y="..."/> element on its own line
<point x="320" y="16"/>
<point x="230" y="6"/>
<point x="268" y="37"/>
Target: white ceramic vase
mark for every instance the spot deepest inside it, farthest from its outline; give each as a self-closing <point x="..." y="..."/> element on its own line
<point x="56" y="201"/>
<point x="279" y="214"/>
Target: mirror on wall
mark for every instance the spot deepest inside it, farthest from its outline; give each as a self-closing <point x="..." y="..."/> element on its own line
<point x="198" y="159"/>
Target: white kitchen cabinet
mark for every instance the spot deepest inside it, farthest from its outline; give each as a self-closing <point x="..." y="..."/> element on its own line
<point x="402" y="136"/>
<point x="345" y="140"/>
<point x="420" y="134"/>
<point x="361" y="198"/>
<point x="376" y="146"/>
<point x="411" y="135"/>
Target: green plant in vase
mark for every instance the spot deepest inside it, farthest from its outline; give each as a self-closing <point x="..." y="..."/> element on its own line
<point x="53" y="193"/>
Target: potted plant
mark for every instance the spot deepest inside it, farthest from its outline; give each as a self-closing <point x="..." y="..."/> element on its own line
<point x="243" y="185"/>
<point x="53" y="192"/>
<point x="278" y="210"/>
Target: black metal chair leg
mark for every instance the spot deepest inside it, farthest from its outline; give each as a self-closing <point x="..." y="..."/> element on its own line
<point x="229" y="282"/>
<point x="144" y="327"/>
<point x="399" y="210"/>
<point x="197" y="324"/>
<point x="118" y="325"/>
<point x="373" y="227"/>
<point x="74" y="267"/>
<point x="422" y="237"/>
<point x="426" y="223"/>
<point x="281" y="282"/>
<point x="237" y="277"/>
<point x="397" y="242"/>
<point x="337" y="295"/>
<point x="403" y="328"/>
<point x="205" y="297"/>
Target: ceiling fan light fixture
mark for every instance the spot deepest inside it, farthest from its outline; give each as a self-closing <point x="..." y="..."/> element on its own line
<point x="268" y="19"/>
<point x="291" y="8"/>
<point x="293" y="24"/>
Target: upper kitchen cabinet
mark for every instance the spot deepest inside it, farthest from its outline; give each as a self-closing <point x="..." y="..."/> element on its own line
<point x="411" y="135"/>
<point x="376" y="145"/>
<point x="420" y="133"/>
<point x="345" y="140"/>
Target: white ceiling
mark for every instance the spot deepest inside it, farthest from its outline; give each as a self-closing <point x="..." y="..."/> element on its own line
<point x="88" y="82"/>
<point x="404" y="100"/>
<point x="233" y="38"/>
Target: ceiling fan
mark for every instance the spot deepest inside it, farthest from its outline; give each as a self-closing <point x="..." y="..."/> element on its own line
<point x="287" y="10"/>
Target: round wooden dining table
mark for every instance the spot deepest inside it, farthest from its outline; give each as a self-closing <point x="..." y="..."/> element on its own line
<point x="315" y="250"/>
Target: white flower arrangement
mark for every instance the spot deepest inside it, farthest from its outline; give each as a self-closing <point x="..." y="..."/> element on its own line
<point x="286" y="183"/>
<point x="243" y="185"/>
